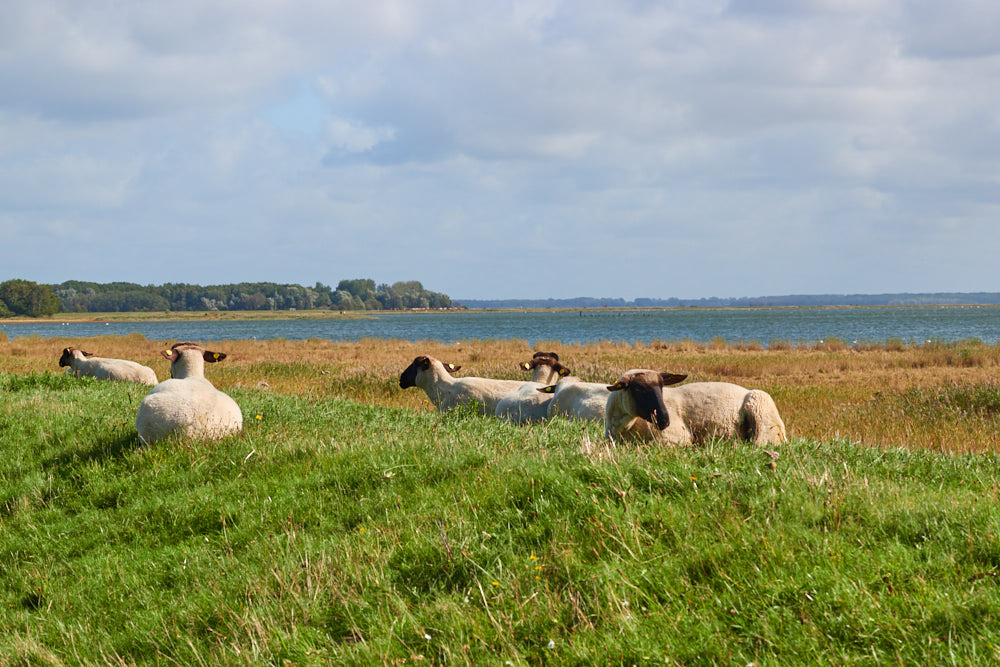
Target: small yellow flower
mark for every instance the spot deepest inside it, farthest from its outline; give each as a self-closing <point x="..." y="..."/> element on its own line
<point x="538" y="567"/>
<point x="361" y="529"/>
<point x="259" y="417"/>
<point x="496" y="583"/>
<point x="532" y="557"/>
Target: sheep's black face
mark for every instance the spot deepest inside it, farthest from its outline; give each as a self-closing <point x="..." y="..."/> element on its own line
<point x="408" y="378"/>
<point x="65" y="358"/>
<point x="648" y="399"/>
<point x="645" y="388"/>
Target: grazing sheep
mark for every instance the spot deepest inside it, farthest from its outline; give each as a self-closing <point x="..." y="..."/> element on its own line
<point x="527" y="404"/>
<point x="188" y="404"/>
<point x="695" y="412"/>
<point x="122" y="370"/>
<point x="446" y="392"/>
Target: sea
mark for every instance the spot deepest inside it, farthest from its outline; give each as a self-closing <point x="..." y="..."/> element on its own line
<point x="851" y="325"/>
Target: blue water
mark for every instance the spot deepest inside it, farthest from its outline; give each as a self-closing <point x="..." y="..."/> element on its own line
<point x="763" y="325"/>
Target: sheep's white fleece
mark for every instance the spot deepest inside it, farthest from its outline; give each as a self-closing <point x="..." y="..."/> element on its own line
<point x="103" y="368"/>
<point x="574" y="399"/>
<point x="187" y="404"/>
<point x="701" y="411"/>
<point x="447" y="392"/>
<point x="527" y="404"/>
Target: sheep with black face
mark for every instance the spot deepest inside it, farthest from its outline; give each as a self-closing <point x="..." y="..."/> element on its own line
<point x="692" y="413"/>
<point x="82" y="363"/>
<point x="447" y="392"/>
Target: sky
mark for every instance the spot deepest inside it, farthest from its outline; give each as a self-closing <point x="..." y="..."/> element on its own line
<point x="494" y="150"/>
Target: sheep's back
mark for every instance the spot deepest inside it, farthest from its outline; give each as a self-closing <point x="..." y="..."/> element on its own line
<point x="579" y="400"/>
<point x="121" y="370"/>
<point x="191" y="407"/>
<point x="708" y="409"/>
<point x="527" y="404"/>
<point x="485" y="391"/>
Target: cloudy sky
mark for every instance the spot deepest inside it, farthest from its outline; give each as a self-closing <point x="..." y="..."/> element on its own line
<point x="505" y="149"/>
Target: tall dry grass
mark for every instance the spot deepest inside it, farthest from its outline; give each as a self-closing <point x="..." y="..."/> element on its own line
<point x="882" y="395"/>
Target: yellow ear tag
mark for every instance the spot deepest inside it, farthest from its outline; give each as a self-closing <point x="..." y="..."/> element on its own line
<point x="215" y="355"/>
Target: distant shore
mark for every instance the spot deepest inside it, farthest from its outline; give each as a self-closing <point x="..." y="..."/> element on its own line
<point x="195" y="315"/>
<point x="249" y="315"/>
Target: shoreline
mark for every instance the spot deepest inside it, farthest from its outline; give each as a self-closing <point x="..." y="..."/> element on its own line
<point x="264" y="315"/>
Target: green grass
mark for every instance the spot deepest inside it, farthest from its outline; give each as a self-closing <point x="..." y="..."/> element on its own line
<point x="332" y="532"/>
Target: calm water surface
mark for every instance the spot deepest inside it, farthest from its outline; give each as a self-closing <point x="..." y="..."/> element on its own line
<point x="764" y="325"/>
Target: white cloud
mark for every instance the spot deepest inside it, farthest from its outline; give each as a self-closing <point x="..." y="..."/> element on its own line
<point x="454" y="143"/>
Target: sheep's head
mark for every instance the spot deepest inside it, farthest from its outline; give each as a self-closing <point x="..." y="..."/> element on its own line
<point x="545" y="359"/>
<point x="182" y="358"/>
<point x="68" y="355"/>
<point x="408" y="378"/>
<point x="645" y="389"/>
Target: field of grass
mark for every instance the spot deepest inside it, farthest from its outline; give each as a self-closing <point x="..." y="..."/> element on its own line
<point x="350" y="524"/>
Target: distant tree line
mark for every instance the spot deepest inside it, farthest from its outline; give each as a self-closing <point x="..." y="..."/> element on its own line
<point x="25" y="298"/>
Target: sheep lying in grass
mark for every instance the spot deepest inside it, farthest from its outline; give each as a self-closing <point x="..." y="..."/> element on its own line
<point x="692" y="413"/>
<point x="527" y="404"/>
<point x="188" y="404"/>
<point x="446" y="392"/>
<point x="84" y="363"/>
<point x="574" y="399"/>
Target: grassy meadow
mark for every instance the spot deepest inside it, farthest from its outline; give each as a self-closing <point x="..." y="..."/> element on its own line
<point x="351" y="524"/>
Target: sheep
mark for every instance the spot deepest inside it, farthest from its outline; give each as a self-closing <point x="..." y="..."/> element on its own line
<point x="188" y="404"/>
<point x="122" y="370"/>
<point x="692" y="413"/>
<point x="527" y="404"/>
<point x="447" y="393"/>
<point x="574" y="399"/>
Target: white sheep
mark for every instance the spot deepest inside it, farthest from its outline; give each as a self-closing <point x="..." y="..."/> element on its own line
<point x="692" y="413"/>
<point x="447" y="392"/>
<point x="527" y="404"/>
<point x="122" y="370"/>
<point x="574" y="399"/>
<point x="188" y="404"/>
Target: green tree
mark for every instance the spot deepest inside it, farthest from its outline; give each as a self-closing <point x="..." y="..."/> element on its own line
<point x="363" y="288"/>
<point x="23" y="297"/>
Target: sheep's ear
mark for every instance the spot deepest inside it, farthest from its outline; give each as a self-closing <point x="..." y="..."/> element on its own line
<point x="212" y="357"/>
<point x="451" y="368"/>
<point x="563" y="371"/>
<point x="525" y="365"/>
<point x="86" y="354"/>
<point x="617" y="386"/>
<point x="548" y="389"/>
<point x="672" y="378"/>
<point x="170" y="355"/>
